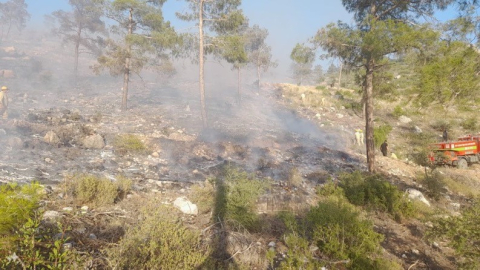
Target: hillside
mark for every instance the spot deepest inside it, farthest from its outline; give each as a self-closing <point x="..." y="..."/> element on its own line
<point x="61" y="134"/>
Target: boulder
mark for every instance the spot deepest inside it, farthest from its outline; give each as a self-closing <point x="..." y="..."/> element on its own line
<point x="414" y="194"/>
<point x="94" y="141"/>
<point x="186" y="206"/>
<point x="405" y="120"/>
<point x="51" y="138"/>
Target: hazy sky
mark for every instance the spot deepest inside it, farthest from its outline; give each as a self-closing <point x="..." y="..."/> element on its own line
<point x="288" y="21"/>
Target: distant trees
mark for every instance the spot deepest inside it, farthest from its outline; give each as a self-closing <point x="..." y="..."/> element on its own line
<point x="13" y="13"/>
<point x="80" y="26"/>
<point x="259" y="53"/>
<point x="220" y="18"/>
<point x="303" y="58"/>
<point x="382" y="28"/>
<point x="143" y="33"/>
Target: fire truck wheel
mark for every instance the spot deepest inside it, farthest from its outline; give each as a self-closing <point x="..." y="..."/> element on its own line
<point x="462" y="164"/>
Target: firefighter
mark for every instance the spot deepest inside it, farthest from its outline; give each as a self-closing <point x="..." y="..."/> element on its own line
<point x="384" y="148"/>
<point x="445" y="135"/>
<point x="4" y="102"/>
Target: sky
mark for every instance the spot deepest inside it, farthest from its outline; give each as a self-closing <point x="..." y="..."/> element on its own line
<point x="288" y="21"/>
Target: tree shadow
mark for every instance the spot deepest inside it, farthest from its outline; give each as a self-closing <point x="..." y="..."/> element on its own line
<point x="219" y="257"/>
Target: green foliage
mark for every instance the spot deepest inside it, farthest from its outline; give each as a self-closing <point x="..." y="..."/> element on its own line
<point x="339" y="232"/>
<point x="236" y="197"/>
<point x="204" y="196"/>
<point x="380" y="134"/>
<point x="17" y="204"/>
<point x="449" y="75"/>
<point x="34" y="247"/>
<point x="375" y="192"/>
<point x="159" y="241"/>
<point x="299" y="255"/>
<point x="470" y="124"/>
<point x="441" y="125"/>
<point x="128" y="143"/>
<point x="462" y="233"/>
<point x="398" y="111"/>
<point x="434" y="184"/>
<point x="97" y="190"/>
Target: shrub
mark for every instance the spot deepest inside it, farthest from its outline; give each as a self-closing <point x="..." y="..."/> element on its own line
<point x="434" y="184"/>
<point x="35" y="248"/>
<point x="462" y="234"/>
<point x="98" y="191"/>
<point x="160" y="241"/>
<point x="17" y="204"/>
<point x="294" y="178"/>
<point x="337" y="229"/>
<point x="299" y="255"/>
<point x="470" y="124"/>
<point x="441" y="125"/>
<point x="375" y="192"/>
<point x="380" y="134"/>
<point x="398" y="111"/>
<point x="204" y="196"/>
<point x="128" y="143"/>
<point x="236" y="197"/>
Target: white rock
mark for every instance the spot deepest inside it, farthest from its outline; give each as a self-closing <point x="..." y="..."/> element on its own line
<point x="95" y="141"/>
<point x="50" y="215"/>
<point x="414" y="194"/>
<point x="186" y="206"/>
<point x="405" y="120"/>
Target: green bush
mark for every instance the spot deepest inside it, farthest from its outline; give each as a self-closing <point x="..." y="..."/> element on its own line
<point x="236" y="197"/>
<point x="337" y="229"/>
<point x="441" y="125"/>
<point x="380" y="134"/>
<point x="299" y="255"/>
<point x="159" y="241"/>
<point x="128" y="143"/>
<point x="462" y="233"/>
<point x="434" y="184"/>
<point x="17" y="204"/>
<point x="340" y="234"/>
<point x="374" y="192"/>
<point x="97" y="190"/>
<point x="398" y="111"/>
<point x="470" y="124"/>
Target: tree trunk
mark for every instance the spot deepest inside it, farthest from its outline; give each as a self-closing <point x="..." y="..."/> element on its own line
<point x="201" y="61"/>
<point x="238" y="84"/>
<point x="126" y="74"/>
<point x="340" y="76"/>
<point x="370" y="145"/>
<point x="258" y="75"/>
<point x="77" y="47"/>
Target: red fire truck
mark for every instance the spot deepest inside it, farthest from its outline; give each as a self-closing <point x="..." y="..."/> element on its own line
<point x="458" y="153"/>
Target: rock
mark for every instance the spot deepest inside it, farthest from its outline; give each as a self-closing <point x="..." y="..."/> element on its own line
<point x="15" y="142"/>
<point x="95" y="141"/>
<point x="9" y="49"/>
<point x="3" y="132"/>
<point x="405" y="120"/>
<point x="415" y="251"/>
<point x="414" y="194"/>
<point x="51" y="138"/>
<point x="7" y="73"/>
<point x="51" y="215"/>
<point x="394" y="156"/>
<point x="186" y="206"/>
<point x="417" y="130"/>
<point x="67" y="209"/>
